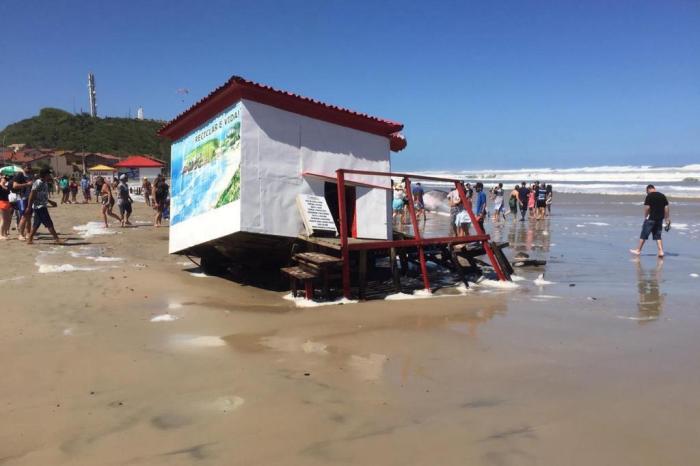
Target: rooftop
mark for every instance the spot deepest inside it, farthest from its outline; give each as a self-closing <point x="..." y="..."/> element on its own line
<point x="139" y="161"/>
<point x="237" y="88"/>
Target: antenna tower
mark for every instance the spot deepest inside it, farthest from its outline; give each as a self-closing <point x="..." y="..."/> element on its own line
<point x="92" y="95"/>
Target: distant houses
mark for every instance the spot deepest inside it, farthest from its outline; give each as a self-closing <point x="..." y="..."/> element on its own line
<point x="67" y="162"/>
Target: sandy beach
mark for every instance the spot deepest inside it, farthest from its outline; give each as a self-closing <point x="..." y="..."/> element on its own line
<point x="116" y="353"/>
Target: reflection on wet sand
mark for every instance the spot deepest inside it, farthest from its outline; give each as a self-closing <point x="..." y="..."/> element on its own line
<point x="651" y="299"/>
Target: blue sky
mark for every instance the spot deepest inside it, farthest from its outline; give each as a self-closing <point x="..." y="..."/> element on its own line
<point x="492" y="84"/>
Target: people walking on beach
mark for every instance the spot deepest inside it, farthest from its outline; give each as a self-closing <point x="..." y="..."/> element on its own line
<point x="5" y="208"/>
<point x="480" y="204"/>
<point x="98" y="188"/>
<point x="541" y="195"/>
<point x="656" y="212"/>
<point x="124" y="200"/>
<point x="160" y="198"/>
<point x="39" y="201"/>
<point x="513" y="202"/>
<point x="548" y="199"/>
<point x="418" y="203"/>
<point x="85" y="189"/>
<point x="463" y="221"/>
<point x="21" y="186"/>
<point x="64" y="187"/>
<point x="146" y="189"/>
<point x="73" y="188"/>
<point x="531" y="201"/>
<point x="498" y="210"/>
<point x="523" y="198"/>
<point x="397" y="205"/>
<point x="468" y="190"/>
<point x="107" y="201"/>
<point x="455" y="203"/>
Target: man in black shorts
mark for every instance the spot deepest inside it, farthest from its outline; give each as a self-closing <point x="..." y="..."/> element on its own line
<point x="656" y="211"/>
<point x="523" y="194"/>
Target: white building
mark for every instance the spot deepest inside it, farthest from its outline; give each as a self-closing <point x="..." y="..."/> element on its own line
<point x="242" y="154"/>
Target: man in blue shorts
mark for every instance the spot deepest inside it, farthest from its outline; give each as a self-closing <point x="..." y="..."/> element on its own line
<point x="656" y="211"/>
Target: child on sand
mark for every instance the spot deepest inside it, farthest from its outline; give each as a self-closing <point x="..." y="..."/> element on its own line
<point x="38" y="200"/>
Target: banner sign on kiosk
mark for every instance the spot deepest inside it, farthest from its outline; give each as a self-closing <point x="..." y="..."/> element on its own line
<point x="316" y="215"/>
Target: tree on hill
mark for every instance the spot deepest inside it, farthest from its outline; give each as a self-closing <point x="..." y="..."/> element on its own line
<point x="54" y="128"/>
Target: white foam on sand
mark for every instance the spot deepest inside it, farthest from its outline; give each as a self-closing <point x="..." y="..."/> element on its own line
<point x="174" y="305"/>
<point x="640" y="319"/>
<point x="540" y="281"/>
<point x="580" y="226"/>
<point x="517" y="278"/>
<point x="104" y="259"/>
<point x="198" y="341"/>
<point x="164" y="318"/>
<point x="224" y="404"/>
<point x="303" y="302"/>
<point x="542" y="297"/>
<point x="600" y="224"/>
<point x="694" y="275"/>
<point x="93" y="229"/>
<point x="503" y="285"/>
<point x="13" y="279"/>
<point x="418" y="294"/>
<point x="462" y="288"/>
<point x="199" y="274"/>
<point x="679" y="226"/>
<point x="53" y="268"/>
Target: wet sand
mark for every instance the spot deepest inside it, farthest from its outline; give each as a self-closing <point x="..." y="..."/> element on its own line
<point x="602" y="372"/>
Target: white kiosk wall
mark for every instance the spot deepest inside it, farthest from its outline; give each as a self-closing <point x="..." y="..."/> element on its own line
<point x="205" y="181"/>
<point x="279" y="146"/>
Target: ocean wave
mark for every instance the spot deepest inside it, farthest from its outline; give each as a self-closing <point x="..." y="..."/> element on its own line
<point x="682" y="181"/>
<point x="623" y="173"/>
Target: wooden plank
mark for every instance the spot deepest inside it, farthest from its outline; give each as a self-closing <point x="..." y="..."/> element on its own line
<point x="502" y="261"/>
<point x="298" y="273"/>
<point x="318" y="258"/>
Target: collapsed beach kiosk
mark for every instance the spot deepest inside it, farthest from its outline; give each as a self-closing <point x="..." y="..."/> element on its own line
<point x="260" y="175"/>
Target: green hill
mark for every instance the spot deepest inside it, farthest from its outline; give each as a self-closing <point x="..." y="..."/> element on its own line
<point x="54" y="128"/>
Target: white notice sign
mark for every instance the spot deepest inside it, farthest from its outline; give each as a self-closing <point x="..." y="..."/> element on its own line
<point x="315" y="214"/>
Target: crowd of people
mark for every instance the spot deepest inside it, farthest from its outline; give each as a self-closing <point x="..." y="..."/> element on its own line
<point x="26" y="196"/>
<point x="533" y="201"/>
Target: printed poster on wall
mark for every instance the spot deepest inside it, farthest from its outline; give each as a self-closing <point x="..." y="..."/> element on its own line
<point x="206" y="163"/>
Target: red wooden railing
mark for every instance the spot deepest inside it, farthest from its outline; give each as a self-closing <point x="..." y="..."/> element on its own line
<point x="418" y="241"/>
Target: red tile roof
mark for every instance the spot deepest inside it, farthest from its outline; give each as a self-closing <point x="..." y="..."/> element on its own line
<point x="138" y="161"/>
<point x="237" y="88"/>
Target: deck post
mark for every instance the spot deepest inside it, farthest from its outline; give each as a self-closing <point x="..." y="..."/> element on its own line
<point x="416" y="233"/>
<point x="394" y="270"/>
<point x="342" y="215"/>
<point x="467" y="204"/>
<point x="362" y="274"/>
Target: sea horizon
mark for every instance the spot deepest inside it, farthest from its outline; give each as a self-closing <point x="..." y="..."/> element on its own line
<point x="678" y="180"/>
